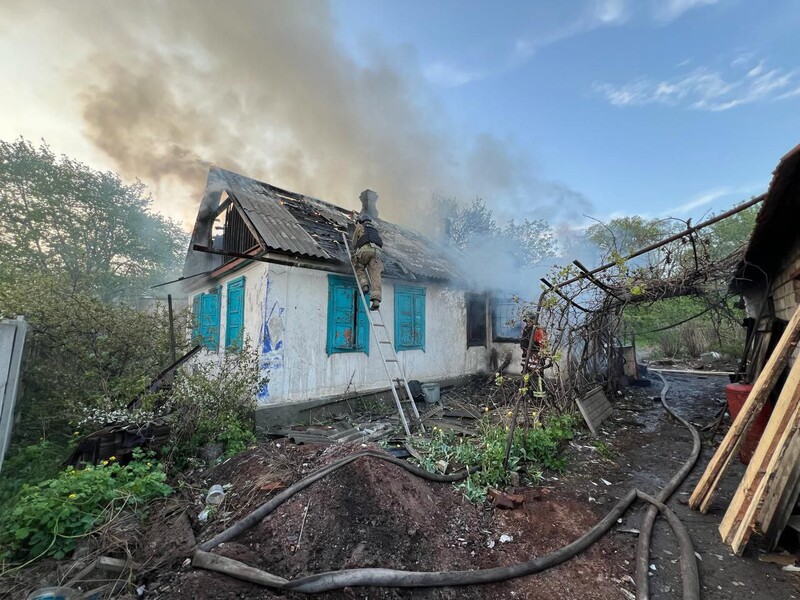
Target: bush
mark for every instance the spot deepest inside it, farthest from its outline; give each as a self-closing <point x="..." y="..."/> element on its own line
<point x="214" y="403"/>
<point x="531" y="451"/>
<point x="669" y="343"/>
<point x="48" y="518"/>
<point x="83" y="353"/>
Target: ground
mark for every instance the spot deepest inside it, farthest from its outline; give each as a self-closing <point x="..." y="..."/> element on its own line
<point x="373" y="514"/>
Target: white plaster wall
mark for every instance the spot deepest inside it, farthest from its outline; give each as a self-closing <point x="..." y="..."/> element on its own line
<point x="286" y="319"/>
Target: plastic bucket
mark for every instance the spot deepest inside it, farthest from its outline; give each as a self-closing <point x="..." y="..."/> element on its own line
<point x="431" y="392"/>
<point x="53" y="593"/>
<point x="736" y="394"/>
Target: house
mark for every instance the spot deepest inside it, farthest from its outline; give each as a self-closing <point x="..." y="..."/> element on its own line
<point x="271" y="266"/>
<point x="768" y="277"/>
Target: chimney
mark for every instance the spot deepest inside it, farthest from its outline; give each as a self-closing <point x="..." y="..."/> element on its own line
<point x="369" y="200"/>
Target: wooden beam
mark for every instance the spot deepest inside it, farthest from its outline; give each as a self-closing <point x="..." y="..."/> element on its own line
<point x="704" y="491"/>
<point x="785" y="420"/>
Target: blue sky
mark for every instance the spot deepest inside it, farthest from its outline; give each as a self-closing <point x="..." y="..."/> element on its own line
<point x="642" y="107"/>
<point x="554" y="110"/>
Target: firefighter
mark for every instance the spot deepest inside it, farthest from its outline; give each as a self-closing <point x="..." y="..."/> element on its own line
<point x="367" y="244"/>
<point x="531" y="329"/>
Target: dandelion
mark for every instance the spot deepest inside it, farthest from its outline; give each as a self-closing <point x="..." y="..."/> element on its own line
<point x="511" y="412"/>
<point x="73" y="496"/>
<point x="105" y="462"/>
<point x="113" y="458"/>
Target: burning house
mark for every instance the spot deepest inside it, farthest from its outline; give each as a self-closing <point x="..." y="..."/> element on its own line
<point x="270" y="266"/>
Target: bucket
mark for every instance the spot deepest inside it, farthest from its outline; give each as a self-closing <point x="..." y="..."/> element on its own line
<point x="53" y="593"/>
<point x="736" y="394"/>
<point x="431" y="392"/>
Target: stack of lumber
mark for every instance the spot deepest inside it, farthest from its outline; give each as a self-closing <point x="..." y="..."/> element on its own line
<point x="768" y="492"/>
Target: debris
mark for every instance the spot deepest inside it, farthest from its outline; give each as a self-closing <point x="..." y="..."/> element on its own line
<point x="791" y="569"/>
<point x="700" y="558"/>
<point x="652" y="567"/>
<point x="505" y="538"/>
<point x="442" y="465"/>
<point x="778" y="559"/>
<point x="503" y="500"/>
<point x="203" y="516"/>
<point x="215" y="494"/>
<point x="605" y="482"/>
<point x="302" y="525"/>
<point x="628" y="595"/>
<point x="595" y="408"/>
<point x="633" y="531"/>
<point x="490" y="544"/>
<point x="272" y="486"/>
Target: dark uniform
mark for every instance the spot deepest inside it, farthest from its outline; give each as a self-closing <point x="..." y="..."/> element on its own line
<point x="367" y="243"/>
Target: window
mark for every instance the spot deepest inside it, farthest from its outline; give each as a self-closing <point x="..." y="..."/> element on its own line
<point x="506" y="321"/>
<point x="234" y="315"/>
<point x="348" y="328"/>
<point x="409" y="318"/>
<point x="476" y="320"/>
<point x="205" y="309"/>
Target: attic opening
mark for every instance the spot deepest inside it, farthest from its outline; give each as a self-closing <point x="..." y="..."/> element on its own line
<point x="230" y="233"/>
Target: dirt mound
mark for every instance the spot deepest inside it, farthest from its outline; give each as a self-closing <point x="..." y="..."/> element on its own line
<point x="375" y="514"/>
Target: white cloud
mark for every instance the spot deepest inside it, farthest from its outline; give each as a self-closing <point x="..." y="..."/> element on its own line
<point x="704" y="89"/>
<point x="666" y="11"/>
<point x="449" y="75"/>
<point x="701" y="200"/>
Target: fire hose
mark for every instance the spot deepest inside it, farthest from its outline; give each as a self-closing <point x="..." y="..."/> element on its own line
<point x="332" y="580"/>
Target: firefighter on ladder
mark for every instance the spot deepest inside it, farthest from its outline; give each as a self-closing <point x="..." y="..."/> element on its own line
<point x="367" y="244"/>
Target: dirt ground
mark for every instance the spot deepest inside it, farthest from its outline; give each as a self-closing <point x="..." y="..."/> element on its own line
<point x="374" y="514"/>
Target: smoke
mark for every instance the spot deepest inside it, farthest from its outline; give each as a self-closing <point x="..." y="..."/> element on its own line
<point x="263" y="88"/>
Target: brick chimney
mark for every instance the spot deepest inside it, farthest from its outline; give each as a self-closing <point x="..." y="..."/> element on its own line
<point x="369" y="201"/>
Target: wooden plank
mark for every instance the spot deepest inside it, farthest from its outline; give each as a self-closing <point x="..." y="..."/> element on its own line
<point x="595" y="408"/>
<point x="787" y="452"/>
<point x="704" y="491"/>
<point x="775" y="514"/>
<point x="784" y="416"/>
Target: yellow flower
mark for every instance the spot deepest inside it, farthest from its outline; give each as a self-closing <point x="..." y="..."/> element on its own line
<point x="76" y="433"/>
<point x="511" y="412"/>
<point x="105" y="462"/>
<point x="149" y="465"/>
<point x="73" y="496"/>
<point x="486" y="409"/>
<point x="113" y="458"/>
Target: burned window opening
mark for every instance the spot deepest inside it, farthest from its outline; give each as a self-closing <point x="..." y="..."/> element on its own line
<point x="476" y="320"/>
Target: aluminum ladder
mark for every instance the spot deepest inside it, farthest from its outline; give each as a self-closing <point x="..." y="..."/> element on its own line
<point x="387" y="354"/>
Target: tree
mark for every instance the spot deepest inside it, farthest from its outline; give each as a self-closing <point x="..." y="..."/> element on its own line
<point x="729" y="235"/>
<point x="64" y="219"/>
<point x="625" y="235"/>
<point x="473" y="229"/>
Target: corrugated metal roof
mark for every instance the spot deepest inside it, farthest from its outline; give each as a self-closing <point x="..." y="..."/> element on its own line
<point x="775" y="230"/>
<point x="264" y="207"/>
<point x="299" y="225"/>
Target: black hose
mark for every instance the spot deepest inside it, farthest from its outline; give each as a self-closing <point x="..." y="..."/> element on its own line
<point x="395" y="578"/>
<point x="646" y="528"/>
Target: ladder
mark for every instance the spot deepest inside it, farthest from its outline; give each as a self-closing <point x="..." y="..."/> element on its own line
<point x="387" y="354"/>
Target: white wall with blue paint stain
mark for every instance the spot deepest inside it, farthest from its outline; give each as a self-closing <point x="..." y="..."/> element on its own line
<point x="286" y="319"/>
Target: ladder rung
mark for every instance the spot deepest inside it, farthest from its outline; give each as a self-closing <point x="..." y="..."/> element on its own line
<point x="391" y="360"/>
<point x="386" y="342"/>
<point x="378" y="324"/>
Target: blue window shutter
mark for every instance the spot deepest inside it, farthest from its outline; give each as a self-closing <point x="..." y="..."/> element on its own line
<point x="409" y="318"/>
<point x="209" y="320"/>
<point x="234" y="318"/>
<point x="348" y="329"/>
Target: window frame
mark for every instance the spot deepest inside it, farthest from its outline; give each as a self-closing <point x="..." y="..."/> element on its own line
<point x="417" y="296"/>
<point x="359" y="319"/>
<point x="497" y="303"/>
